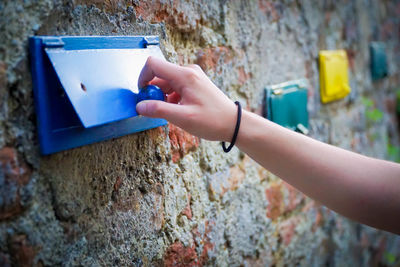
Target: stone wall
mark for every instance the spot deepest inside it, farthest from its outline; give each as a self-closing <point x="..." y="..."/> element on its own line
<point x="164" y="197"/>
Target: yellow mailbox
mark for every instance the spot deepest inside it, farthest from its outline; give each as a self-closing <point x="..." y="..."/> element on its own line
<point x="333" y="74"/>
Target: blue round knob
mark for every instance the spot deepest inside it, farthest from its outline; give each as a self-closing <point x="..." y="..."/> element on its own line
<point x="150" y="92"/>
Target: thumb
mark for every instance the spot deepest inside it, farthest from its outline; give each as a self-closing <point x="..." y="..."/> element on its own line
<point x="160" y="109"/>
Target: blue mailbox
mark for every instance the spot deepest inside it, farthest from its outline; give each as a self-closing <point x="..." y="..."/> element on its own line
<point x="85" y="88"/>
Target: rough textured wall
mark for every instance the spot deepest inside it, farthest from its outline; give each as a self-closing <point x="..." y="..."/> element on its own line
<point x="164" y="197"/>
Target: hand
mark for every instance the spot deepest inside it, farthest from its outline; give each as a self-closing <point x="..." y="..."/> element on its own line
<point x="194" y="103"/>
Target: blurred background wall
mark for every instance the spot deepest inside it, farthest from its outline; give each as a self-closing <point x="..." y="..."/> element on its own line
<point x="164" y="197"/>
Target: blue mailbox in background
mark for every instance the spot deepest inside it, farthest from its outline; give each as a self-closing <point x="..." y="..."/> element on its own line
<point x="85" y="88"/>
<point x="378" y="60"/>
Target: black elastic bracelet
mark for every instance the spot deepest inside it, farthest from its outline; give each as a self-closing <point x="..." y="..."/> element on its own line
<point x="235" y="134"/>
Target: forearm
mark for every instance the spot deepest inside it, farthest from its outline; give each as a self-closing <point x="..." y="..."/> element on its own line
<point x="356" y="186"/>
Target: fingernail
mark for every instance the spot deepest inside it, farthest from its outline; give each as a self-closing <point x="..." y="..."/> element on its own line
<point x="141" y="108"/>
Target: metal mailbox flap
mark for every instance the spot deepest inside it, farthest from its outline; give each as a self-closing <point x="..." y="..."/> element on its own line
<point x="101" y="83"/>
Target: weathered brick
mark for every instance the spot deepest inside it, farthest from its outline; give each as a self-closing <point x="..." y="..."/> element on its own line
<point x="203" y="241"/>
<point x="223" y="182"/>
<point x="287" y="229"/>
<point x="315" y="214"/>
<point x="14" y="174"/>
<point x="187" y="211"/>
<point x="275" y="200"/>
<point x="351" y="55"/>
<point x="271" y="9"/>
<point x="178" y="255"/>
<point x="243" y="76"/>
<point x="116" y="187"/>
<point x="236" y="177"/>
<point x="181" y="142"/>
<point x="293" y="197"/>
<point x="390" y="104"/>
<point x="174" y="14"/>
<point x="211" y="58"/>
<point x="22" y="252"/>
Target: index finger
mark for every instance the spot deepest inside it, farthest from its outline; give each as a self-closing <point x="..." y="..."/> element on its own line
<point x="160" y="68"/>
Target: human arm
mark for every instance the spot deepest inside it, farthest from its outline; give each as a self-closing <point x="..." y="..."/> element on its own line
<point x="359" y="187"/>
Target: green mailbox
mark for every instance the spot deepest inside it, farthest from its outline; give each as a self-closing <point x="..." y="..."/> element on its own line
<point x="378" y="60"/>
<point x="286" y="105"/>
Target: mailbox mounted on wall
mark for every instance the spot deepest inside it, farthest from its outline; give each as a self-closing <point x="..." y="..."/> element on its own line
<point x="333" y="74"/>
<point x="85" y="88"/>
<point x="378" y="62"/>
<point x="286" y="105"/>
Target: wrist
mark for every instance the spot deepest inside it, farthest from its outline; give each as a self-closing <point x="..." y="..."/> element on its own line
<point x="242" y="133"/>
<point x="237" y="126"/>
<point x="229" y="122"/>
<point x="250" y="129"/>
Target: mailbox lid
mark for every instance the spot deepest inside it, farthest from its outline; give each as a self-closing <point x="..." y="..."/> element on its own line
<point x="101" y="83"/>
